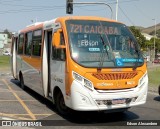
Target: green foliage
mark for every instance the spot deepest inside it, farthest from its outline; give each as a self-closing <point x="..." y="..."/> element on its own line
<point x="4" y="63"/>
<point x="6" y="31"/>
<point x="153" y="75"/>
<point x="139" y="37"/>
<point x="157" y="44"/>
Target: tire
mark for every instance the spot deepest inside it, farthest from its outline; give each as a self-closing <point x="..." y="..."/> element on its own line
<point x="60" y="104"/>
<point x="159" y="89"/>
<point x="21" y="81"/>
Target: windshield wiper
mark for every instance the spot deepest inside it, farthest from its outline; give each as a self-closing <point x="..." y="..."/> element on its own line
<point x="102" y="55"/>
<point x="137" y="60"/>
<point x="104" y="45"/>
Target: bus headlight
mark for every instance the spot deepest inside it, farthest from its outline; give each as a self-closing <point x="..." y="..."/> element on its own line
<point x="77" y="77"/>
<point x="85" y="82"/>
<point x="143" y="79"/>
<point x="88" y="84"/>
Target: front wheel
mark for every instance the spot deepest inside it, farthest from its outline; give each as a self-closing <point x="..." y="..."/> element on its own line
<point x="60" y="104"/>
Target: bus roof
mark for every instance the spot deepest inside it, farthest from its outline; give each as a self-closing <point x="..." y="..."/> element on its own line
<point x="31" y="27"/>
<point x="84" y="18"/>
<point x="63" y="19"/>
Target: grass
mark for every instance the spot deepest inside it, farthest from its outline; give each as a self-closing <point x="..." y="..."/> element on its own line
<point x="4" y="63"/>
<point x="154" y="77"/>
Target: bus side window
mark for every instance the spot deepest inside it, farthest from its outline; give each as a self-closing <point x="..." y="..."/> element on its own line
<point x="58" y="54"/>
<point x="37" y="42"/>
<point x="20" y="44"/>
<point x="28" y="42"/>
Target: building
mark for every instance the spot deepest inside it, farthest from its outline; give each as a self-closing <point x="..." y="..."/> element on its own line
<point x="5" y="43"/>
<point x="147" y="36"/>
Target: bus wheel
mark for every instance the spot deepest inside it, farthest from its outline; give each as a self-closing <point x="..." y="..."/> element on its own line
<point x="21" y="81"/>
<point x="60" y="104"/>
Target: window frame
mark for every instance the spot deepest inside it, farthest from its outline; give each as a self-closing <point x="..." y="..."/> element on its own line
<point x="26" y="43"/>
<point x="33" y="40"/>
<point x="18" y="50"/>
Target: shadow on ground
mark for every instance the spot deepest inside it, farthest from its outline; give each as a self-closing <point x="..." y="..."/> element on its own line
<point x="79" y="117"/>
<point x="35" y="95"/>
<point x="157" y="98"/>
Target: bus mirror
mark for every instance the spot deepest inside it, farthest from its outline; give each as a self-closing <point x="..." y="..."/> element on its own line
<point x="58" y="39"/>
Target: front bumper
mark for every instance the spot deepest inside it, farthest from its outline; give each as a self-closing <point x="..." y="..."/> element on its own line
<point x="83" y="99"/>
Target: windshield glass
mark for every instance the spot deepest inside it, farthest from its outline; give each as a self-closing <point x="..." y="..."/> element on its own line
<point x="102" y="44"/>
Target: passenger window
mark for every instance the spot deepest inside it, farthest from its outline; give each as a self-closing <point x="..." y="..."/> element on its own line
<point x="28" y="42"/>
<point x="20" y="44"/>
<point x="37" y="42"/>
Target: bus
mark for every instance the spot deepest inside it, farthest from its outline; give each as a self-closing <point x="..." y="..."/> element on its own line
<point x="84" y="63"/>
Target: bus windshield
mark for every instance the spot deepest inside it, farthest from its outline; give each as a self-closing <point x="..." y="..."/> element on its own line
<point x="103" y="44"/>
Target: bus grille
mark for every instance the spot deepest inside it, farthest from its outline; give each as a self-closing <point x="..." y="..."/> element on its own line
<point x="115" y="76"/>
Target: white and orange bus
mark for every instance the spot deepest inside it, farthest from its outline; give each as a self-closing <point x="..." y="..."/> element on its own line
<point x="83" y="63"/>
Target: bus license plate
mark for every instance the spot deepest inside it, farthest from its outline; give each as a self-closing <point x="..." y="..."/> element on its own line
<point x="118" y="101"/>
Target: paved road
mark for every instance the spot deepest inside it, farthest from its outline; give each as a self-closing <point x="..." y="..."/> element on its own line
<point x="148" y="111"/>
<point x="27" y="105"/>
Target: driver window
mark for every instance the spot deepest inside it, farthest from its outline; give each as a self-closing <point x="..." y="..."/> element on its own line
<point x="59" y="53"/>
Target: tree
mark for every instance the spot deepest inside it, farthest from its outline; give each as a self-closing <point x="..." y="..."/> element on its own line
<point x="157" y="45"/>
<point x="149" y="44"/>
<point x="139" y="37"/>
<point x="6" y="31"/>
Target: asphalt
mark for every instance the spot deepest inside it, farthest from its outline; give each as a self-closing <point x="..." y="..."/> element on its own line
<point x="16" y="104"/>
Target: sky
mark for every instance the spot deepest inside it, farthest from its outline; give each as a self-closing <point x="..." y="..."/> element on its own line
<point x="17" y="14"/>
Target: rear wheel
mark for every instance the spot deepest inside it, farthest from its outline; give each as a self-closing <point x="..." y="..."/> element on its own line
<point x="60" y="104"/>
<point x="21" y="81"/>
